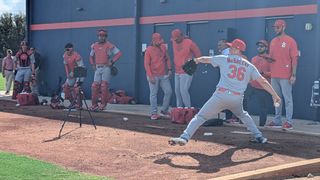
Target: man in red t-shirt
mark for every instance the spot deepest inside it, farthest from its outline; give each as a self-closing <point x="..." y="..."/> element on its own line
<point x="284" y="52"/>
<point x="158" y="68"/>
<point x="184" y="49"/>
<point x="262" y="63"/>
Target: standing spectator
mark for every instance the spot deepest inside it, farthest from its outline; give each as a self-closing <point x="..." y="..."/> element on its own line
<point x="158" y="68"/>
<point x="103" y="54"/>
<point x="284" y="52"/>
<point x="184" y="49"/>
<point x="7" y="70"/>
<point x="37" y="66"/>
<point x="24" y="65"/>
<point x="261" y="62"/>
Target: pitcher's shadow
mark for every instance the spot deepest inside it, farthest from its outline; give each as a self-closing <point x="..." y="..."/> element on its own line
<point x="207" y="164"/>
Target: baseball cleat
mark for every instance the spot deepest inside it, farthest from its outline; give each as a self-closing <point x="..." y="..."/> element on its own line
<point x="180" y="141"/>
<point x="261" y="140"/>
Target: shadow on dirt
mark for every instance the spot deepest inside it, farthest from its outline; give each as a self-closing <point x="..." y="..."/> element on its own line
<point x="295" y="145"/>
<point x="205" y="162"/>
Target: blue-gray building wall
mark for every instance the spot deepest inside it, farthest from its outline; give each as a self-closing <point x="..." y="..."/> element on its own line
<point x="205" y="33"/>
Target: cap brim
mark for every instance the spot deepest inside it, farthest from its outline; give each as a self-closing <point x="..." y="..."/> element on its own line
<point x="229" y="44"/>
<point x="173" y="39"/>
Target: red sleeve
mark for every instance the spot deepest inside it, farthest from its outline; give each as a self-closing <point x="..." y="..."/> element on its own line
<point x="167" y="56"/>
<point x="195" y="50"/>
<point x="77" y="56"/>
<point x="253" y="61"/>
<point x="168" y="61"/>
<point x="18" y="54"/>
<point x="294" y="52"/>
<point x="147" y="63"/>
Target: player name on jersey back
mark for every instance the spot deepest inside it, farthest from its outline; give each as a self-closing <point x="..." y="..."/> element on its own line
<point x="238" y="61"/>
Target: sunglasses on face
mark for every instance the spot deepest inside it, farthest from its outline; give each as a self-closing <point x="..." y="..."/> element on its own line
<point x="276" y="27"/>
<point x="68" y="49"/>
<point x="261" y="46"/>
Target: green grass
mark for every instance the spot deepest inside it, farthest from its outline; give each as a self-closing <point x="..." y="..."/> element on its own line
<point x="2" y="83"/>
<point x="16" y="167"/>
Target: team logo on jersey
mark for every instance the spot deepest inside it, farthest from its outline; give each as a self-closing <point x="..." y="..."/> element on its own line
<point x="283" y="44"/>
<point x="24" y="57"/>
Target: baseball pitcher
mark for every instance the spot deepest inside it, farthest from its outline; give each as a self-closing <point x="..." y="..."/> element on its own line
<point x="236" y="72"/>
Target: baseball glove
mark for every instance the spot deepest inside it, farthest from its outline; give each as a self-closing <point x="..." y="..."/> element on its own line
<point x="190" y="67"/>
<point x="114" y="70"/>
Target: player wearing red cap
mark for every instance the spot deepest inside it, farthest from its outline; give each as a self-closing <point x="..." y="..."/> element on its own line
<point x="158" y="68"/>
<point x="284" y="52"/>
<point x="103" y="54"/>
<point x="235" y="74"/>
<point x="184" y="49"/>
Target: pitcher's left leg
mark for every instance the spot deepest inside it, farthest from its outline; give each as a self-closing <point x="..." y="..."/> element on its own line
<point x="237" y="110"/>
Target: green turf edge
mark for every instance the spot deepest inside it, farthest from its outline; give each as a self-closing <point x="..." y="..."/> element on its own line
<point x="21" y="167"/>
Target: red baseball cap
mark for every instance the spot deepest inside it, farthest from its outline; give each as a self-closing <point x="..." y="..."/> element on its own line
<point x="279" y="23"/>
<point x="238" y="44"/>
<point x="102" y="32"/>
<point x="156" y="37"/>
<point x="175" y="34"/>
<point x="264" y="42"/>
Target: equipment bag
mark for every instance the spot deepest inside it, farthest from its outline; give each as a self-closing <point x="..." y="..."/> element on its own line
<point x="25" y="99"/>
<point x="177" y="115"/>
<point x="182" y="115"/>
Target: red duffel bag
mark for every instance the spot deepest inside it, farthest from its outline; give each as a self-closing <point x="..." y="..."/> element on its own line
<point x="177" y="115"/>
<point x="120" y="97"/>
<point x="125" y="100"/>
<point x="25" y="99"/>
<point x="182" y="115"/>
